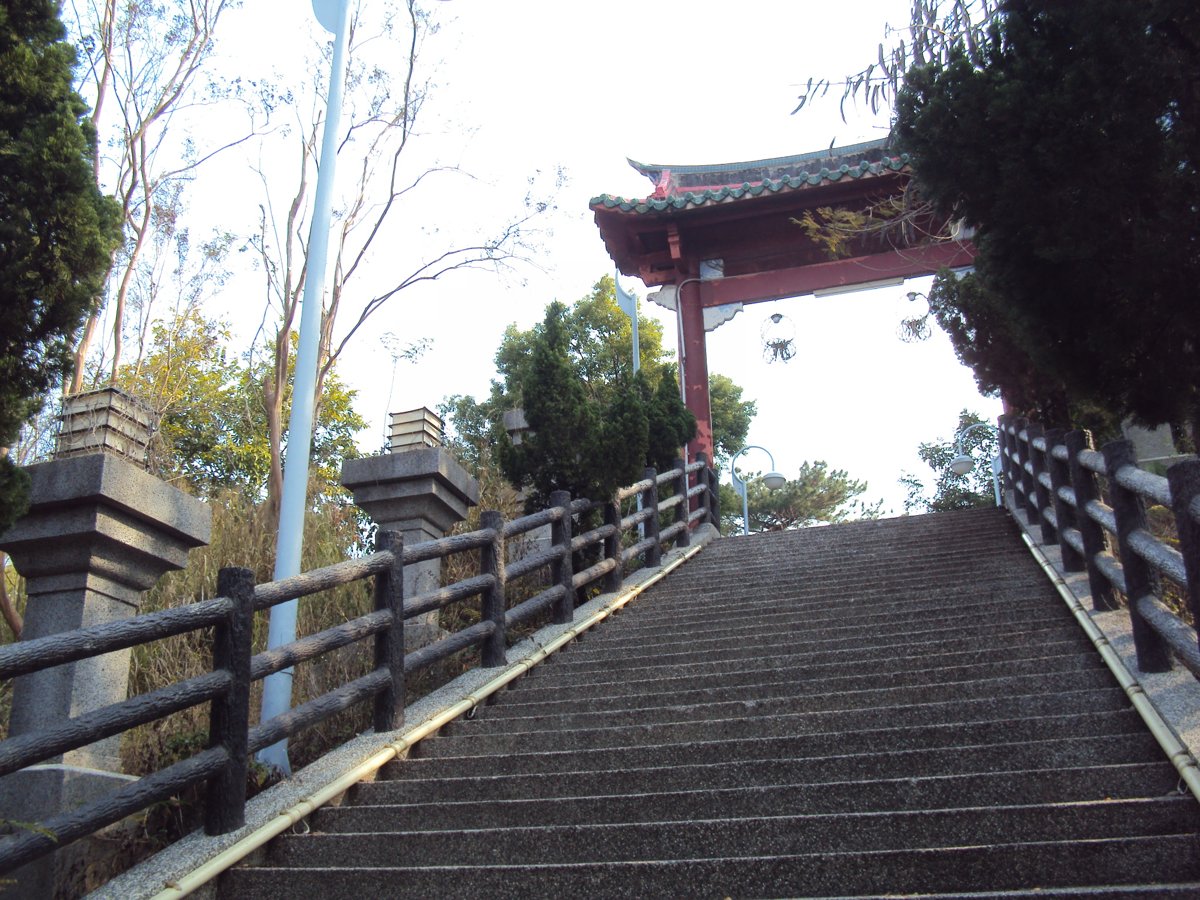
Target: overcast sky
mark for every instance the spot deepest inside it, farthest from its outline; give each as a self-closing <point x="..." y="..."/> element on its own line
<point x="530" y="86"/>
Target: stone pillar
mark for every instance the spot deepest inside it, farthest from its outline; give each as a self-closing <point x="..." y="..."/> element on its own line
<point x="99" y="532"/>
<point x="421" y="493"/>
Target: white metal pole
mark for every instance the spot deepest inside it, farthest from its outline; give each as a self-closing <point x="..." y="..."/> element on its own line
<point x="334" y="16"/>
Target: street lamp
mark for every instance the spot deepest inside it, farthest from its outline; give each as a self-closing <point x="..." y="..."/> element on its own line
<point x="962" y="463"/>
<point x="773" y="480"/>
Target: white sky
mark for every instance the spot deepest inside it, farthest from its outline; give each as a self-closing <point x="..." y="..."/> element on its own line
<point x="530" y="85"/>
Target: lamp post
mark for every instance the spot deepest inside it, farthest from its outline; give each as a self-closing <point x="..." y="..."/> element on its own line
<point x="334" y="16"/>
<point x="962" y="462"/>
<point x="773" y="480"/>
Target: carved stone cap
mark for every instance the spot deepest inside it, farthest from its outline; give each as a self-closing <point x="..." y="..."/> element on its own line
<point x="101" y="523"/>
<point x="424" y="489"/>
<point x="106" y="420"/>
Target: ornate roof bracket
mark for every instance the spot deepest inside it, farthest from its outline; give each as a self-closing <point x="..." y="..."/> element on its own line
<point x="675" y="242"/>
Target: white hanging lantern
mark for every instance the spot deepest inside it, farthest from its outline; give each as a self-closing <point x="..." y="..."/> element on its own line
<point x="779" y="338"/>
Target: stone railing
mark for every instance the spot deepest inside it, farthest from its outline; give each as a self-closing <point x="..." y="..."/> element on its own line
<point x="221" y="769"/>
<point x="1084" y="500"/>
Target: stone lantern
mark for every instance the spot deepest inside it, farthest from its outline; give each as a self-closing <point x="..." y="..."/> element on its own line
<point x="99" y="532"/>
<point x="420" y="490"/>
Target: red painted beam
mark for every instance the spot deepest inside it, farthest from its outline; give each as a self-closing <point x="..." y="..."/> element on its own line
<point x="801" y="280"/>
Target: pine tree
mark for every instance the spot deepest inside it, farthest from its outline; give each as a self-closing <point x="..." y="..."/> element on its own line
<point x="57" y="232"/>
<point x="1071" y="140"/>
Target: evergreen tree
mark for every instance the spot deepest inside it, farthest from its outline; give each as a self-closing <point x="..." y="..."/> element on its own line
<point x="57" y="232"/>
<point x="575" y="369"/>
<point x="1070" y="138"/>
<point x="670" y="424"/>
<point x="570" y="446"/>
<point x="817" y="495"/>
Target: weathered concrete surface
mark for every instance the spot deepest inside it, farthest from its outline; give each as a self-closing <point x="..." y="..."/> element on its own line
<point x="99" y="532"/>
<point x="1175" y="694"/>
<point x="857" y="667"/>
<point x="421" y="494"/>
<point x="152" y="876"/>
<point x="99" y="523"/>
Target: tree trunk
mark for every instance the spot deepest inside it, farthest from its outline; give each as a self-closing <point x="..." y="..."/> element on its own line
<point x="7" y="609"/>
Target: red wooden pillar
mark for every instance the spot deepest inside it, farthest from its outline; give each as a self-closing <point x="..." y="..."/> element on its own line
<point x="695" y="368"/>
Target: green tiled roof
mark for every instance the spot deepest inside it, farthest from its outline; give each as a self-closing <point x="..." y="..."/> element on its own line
<point x="680" y="187"/>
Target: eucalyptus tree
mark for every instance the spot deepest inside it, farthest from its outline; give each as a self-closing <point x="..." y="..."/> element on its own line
<point x="56" y="230"/>
<point x="936" y="31"/>
<point x="146" y="68"/>
<point x="380" y="168"/>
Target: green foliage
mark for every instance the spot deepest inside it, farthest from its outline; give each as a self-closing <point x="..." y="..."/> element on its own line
<point x="598" y="339"/>
<point x="817" y="495"/>
<point x="978" y="324"/>
<point x="474" y="428"/>
<point x="951" y="491"/>
<point x="593" y="423"/>
<point x="14" y="493"/>
<point x="212" y="431"/>
<point x="1082" y="196"/>
<point x="557" y="452"/>
<point x="731" y="417"/>
<point x="57" y="232"/>
<point x="670" y="424"/>
<point x="577" y="442"/>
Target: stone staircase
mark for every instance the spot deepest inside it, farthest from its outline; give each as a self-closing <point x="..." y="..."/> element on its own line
<point x="879" y="708"/>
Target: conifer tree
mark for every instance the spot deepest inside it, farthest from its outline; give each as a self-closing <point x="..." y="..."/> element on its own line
<point x="57" y="232"/>
<point x="1070" y="139"/>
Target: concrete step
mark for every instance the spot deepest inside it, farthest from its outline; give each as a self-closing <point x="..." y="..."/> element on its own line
<point x="879" y="709"/>
<point x="774" y="682"/>
<point x="976" y="634"/>
<point x="1121" y="781"/>
<point x="882" y="579"/>
<point x="792" y="699"/>
<point x="776" y="835"/>
<point x="800" y="615"/>
<point x="837" y="723"/>
<point x="1068" y="741"/>
<point x="1173" y="858"/>
<point x="808" y="626"/>
<point x="543" y="685"/>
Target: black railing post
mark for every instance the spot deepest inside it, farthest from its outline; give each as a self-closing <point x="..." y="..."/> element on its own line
<point x="1060" y="477"/>
<point x="1027" y="497"/>
<point x="650" y="504"/>
<point x="612" y="546"/>
<point x="1008" y="450"/>
<point x="229" y="723"/>
<point x="491" y="562"/>
<point x="1002" y="451"/>
<point x="1130" y="513"/>
<point x="1083" y="480"/>
<point x="681" y="508"/>
<point x="1014" y="462"/>
<point x="561" y="570"/>
<point x="1037" y="461"/>
<point x="389" y="644"/>
<point x="1184" y="480"/>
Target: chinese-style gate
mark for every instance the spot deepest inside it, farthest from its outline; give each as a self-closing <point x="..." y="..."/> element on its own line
<point x="722" y="235"/>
